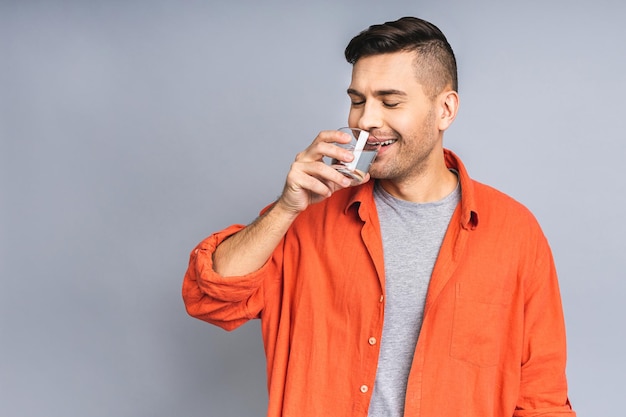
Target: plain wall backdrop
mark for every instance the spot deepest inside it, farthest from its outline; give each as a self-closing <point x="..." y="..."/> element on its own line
<point x="130" y="130"/>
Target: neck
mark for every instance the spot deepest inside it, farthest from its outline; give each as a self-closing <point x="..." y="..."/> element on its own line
<point x="423" y="188"/>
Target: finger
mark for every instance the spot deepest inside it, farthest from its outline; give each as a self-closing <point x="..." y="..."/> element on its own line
<point x="327" y="175"/>
<point x="333" y="136"/>
<point x="320" y="146"/>
<point x="298" y="182"/>
<point x="318" y="150"/>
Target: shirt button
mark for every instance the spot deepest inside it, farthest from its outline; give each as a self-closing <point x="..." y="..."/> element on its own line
<point x="381" y="299"/>
<point x="371" y="341"/>
<point x="364" y="388"/>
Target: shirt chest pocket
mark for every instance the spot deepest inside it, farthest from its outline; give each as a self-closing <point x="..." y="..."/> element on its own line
<point x="479" y="326"/>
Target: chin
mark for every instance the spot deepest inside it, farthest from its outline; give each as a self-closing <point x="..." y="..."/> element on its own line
<point x="377" y="170"/>
<point x="374" y="173"/>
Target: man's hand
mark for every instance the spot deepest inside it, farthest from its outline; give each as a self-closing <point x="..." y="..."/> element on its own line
<point x="310" y="180"/>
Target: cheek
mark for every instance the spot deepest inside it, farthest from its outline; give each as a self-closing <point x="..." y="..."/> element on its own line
<point x="415" y="122"/>
<point x="401" y="122"/>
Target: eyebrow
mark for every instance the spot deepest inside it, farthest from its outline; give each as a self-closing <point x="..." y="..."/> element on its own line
<point x="378" y="93"/>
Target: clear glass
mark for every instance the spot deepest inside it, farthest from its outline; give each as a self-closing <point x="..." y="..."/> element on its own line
<point x="364" y="150"/>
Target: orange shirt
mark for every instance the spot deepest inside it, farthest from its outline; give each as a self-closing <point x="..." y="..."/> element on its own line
<point x="492" y="341"/>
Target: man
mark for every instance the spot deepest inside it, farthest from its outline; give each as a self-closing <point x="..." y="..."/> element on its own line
<point x="420" y="293"/>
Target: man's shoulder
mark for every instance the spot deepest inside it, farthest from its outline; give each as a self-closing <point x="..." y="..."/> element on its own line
<point x="494" y="203"/>
<point x="490" y="193"/>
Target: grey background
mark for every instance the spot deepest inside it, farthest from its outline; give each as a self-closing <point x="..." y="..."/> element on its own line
<point x="131" y="130"/>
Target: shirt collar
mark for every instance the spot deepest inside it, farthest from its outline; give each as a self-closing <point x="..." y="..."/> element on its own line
<point x="469" y="213"/>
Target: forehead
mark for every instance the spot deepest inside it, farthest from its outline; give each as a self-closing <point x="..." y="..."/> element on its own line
<point x="385" y="71"/>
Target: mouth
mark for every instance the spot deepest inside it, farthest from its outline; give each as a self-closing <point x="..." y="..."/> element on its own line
<point x="382" y="143"/>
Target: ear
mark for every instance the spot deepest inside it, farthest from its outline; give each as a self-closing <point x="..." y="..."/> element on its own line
<point x="448" y="106"/>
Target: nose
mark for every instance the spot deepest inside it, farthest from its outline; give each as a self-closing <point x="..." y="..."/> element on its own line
<point x="367" y="117"/>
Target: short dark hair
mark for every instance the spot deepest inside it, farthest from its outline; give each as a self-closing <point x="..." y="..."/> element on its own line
<point x="436" y="64"/>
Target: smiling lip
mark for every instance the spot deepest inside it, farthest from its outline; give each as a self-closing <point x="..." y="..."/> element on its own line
<point x="382" y="142"/>
<point x="381" y="146"/>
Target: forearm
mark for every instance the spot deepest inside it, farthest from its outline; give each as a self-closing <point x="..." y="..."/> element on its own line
<point x="227" y="302"/>
<point x="309" y="181"/>
<point x="249" y="249"/>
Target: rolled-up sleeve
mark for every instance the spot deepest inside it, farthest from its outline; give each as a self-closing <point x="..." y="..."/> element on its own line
<point x="227" y="302"/>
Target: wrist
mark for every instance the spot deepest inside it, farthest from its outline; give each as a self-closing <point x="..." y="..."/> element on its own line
<point x="285" y="210"/>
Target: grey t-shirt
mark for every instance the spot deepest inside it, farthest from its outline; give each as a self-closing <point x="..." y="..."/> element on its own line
<point x="412" y="234"/>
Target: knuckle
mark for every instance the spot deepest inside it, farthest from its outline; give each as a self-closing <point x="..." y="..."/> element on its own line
<point x="300" y="155"/>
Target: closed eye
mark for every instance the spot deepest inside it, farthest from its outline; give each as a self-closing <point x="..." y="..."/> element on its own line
<point x="356" y="98"/>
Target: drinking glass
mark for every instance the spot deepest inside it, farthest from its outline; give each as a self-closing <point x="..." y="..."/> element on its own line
<point x="364" y="150"/>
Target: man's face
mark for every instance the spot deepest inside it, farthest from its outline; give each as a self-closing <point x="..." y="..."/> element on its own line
<point x="388" y="101"/>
